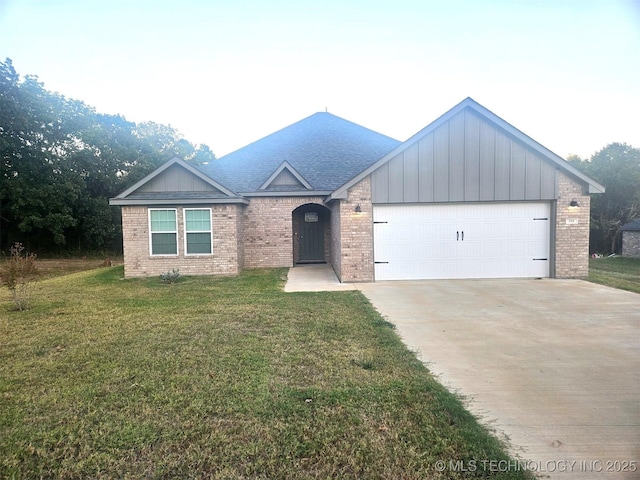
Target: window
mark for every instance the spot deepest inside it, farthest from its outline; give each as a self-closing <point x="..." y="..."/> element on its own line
<point x="197" y="231"/>
<point x="164" y="231"/>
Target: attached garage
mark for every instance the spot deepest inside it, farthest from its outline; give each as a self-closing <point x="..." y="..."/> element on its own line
<point x="475" y="240"/>
<point x="471" y="196"/>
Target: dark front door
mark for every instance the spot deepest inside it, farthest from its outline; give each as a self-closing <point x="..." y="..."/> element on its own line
<point x="312" y="240"/>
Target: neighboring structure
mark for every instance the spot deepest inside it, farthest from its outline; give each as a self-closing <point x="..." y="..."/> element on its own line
<point x="469" y="196"/>
<point x="631" y="239"/>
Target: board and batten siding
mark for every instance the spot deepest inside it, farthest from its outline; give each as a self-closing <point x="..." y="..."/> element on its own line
<point x="466" y="159"/>
<point x="177" y="179"/>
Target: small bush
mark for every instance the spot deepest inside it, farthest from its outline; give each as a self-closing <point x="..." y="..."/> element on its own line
<point x="19" y="275"/>
<point x="365" y="363"/>
<point x="170" y="277"/>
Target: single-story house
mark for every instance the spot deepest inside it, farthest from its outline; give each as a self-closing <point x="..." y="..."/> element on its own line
<point x="631" y="239"/>
<point x="468" y="196"/>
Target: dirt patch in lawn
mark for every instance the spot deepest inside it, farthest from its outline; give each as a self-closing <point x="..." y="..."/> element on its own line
<point x="55" y="267"/>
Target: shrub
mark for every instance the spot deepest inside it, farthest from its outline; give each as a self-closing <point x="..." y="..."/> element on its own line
<point x="19" y="275"/>
<point x="170" y="277"/>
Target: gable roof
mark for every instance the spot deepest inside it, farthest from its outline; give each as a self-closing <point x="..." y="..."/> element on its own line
<point x="633" y="226"/>
<point x="323" y="150"/>
<point x="289" y="177"/>
<point x="211" y="190"/>
<point x="593" y="186"/>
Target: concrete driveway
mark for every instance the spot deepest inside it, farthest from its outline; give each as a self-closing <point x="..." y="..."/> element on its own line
<point x="552" y="364"/>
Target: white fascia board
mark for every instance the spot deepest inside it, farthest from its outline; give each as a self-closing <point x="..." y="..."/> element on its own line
<point x="189" y="201"/>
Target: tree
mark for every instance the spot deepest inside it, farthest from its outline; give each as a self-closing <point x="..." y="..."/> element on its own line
<point x="61" y="161"/>
<point x="36" y="192"/>
<point x="617" y="167"/>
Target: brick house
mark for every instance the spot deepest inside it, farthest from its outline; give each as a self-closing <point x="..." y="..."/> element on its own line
<point x="468" y="196"/>
<point x="631" y="239"/>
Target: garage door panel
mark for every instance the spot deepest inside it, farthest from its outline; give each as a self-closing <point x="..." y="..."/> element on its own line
<point x="497" y="240"/>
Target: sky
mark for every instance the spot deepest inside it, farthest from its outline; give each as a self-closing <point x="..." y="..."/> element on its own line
<point x="228" y="72"/>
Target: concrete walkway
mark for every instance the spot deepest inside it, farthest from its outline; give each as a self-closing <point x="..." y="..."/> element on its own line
<point x="314" y="278"/>
<point x="552" y="364"/>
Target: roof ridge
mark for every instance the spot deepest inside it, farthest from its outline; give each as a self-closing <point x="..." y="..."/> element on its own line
<point x="300" y="122"/>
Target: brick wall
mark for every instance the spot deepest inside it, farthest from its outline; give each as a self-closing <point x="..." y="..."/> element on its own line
<point x="356" y="235"/>
<point x="225" y="260"/>
<point x="268" y="231"/>
<point x="240" y="236"/>
<point x="260" y="235"/>
<point x="572" y="230"/>
<point x="631" y="244"/>
<point x="336" y="239"/>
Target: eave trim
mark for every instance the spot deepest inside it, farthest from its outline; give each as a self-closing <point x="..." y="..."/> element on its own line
<point x="301" y="193"/>
<point x="187" y="201"/>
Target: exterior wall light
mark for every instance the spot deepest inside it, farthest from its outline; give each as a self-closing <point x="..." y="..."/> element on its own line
<point x="358" y="209"/>
<point x="574" y="203"/>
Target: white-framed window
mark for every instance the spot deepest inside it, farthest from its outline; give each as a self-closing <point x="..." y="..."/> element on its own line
<point x="163" y="231"/>
<point x="197" y="231"/>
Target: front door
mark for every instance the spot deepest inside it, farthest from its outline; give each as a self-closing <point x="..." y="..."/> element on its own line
<point x="311" y="239"/>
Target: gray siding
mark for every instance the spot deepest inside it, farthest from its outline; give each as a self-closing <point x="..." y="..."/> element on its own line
<point x="466" y="159"/>
<point x="286" y="178"/>
<point x="177" y="179"/>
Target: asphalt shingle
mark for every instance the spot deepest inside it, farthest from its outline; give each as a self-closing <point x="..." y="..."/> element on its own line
<point x="325" y="149"/>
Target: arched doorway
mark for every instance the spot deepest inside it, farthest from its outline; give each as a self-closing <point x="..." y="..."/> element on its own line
<point x="311" y="233"/>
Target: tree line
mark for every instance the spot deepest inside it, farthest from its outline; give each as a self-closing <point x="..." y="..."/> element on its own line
<point x="62" y="161"/>
<point x="617" y="167"/>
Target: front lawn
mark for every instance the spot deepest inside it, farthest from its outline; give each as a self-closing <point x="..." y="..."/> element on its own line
<point x="617" y="272"/>
<point x="221" y="378"/>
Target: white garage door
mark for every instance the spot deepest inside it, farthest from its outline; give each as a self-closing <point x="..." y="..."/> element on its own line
<point x="490" y="240"/>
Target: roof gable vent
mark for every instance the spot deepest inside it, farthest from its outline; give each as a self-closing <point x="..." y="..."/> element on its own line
<point x="285" y="177"/>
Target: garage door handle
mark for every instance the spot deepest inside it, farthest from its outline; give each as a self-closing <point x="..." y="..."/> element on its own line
<point x="463" y="235"/>
<point x="457" y="236"/>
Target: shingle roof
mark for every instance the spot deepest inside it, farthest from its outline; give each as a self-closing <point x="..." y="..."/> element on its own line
<point x="324" y="149"/>
<point x="633" y="226"/>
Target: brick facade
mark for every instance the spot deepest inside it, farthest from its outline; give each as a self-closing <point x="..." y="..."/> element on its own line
<point x="335" y="239"/>
<point x="571" y="230"/>
<point x="265" y="234"/>
<point x="352" y="235"/>
<point x="268" y="231"/>
<point x="260" y="235"/>
<point x="226" y="258"/>
<point x="631" y="244"/>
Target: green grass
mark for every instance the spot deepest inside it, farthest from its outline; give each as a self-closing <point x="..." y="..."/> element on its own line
<point x="222" y="378"/>
<point x="617" y="272"/>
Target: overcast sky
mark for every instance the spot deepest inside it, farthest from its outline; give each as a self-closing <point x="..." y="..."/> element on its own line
<point x="226" y="73"/>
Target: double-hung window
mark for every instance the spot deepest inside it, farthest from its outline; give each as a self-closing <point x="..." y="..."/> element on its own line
<point x="197" y="231"/>
<point x="163" y="227"/>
